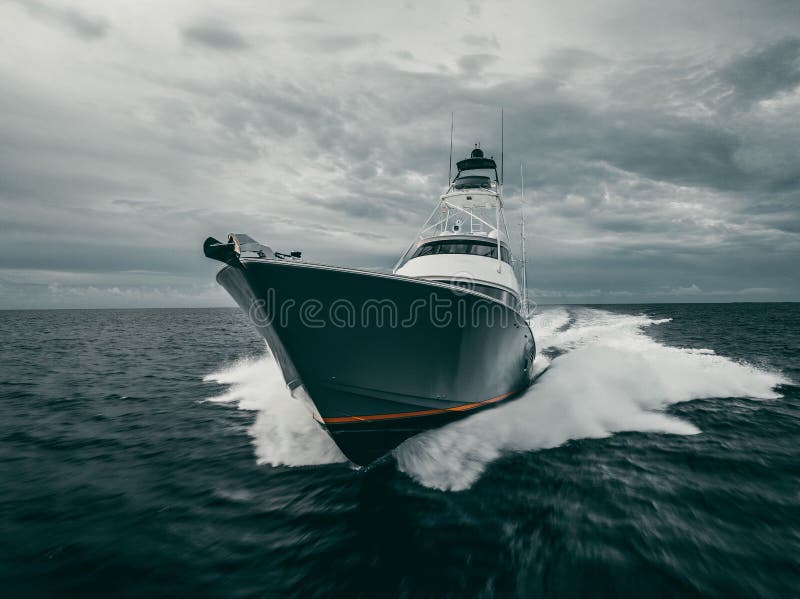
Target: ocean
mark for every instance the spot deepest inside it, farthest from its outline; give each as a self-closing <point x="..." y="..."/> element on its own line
<point x="156" y="453"/>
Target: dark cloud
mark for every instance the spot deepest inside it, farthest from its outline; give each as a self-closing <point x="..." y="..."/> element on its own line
<point x="85" y="26"/>
<point x="567" y="60"/>
<point x="481" y="41"/>
<point x="648" y="176"/>
<point x="473" y="64"/>
<point x="215" y="36"/>
<point x="765" y="71"/>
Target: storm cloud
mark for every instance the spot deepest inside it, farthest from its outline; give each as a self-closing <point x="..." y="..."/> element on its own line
<point x="659" y="145"/>
<point x="213" y="35"/>
<point x="85" y="26"/>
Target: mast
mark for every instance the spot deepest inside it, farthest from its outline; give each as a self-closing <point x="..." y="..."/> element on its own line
<point x="450" y="170"/>
<point x="500" y="199"/>
<point x="497" y="234"/>
<point x="502" y="162"/>
<point x="524" y="261"/>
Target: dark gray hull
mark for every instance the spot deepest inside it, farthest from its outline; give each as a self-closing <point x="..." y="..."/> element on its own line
<point x="379" y="357"/>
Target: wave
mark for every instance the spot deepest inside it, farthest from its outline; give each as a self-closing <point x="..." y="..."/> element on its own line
<point x="608" y="376"/>
<point x="284" y="433"/>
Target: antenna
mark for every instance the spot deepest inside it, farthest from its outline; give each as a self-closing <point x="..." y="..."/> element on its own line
<point x="450" y="171"/>
<point x="502" y="162"/>
<point x="522" y="235"/>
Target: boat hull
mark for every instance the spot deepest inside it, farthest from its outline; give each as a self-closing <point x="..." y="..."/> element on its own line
<point x="380" y="358"/>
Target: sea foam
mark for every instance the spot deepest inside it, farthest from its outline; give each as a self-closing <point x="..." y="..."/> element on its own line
<point x="607" y="376"/>
<point x="284" y="433"/>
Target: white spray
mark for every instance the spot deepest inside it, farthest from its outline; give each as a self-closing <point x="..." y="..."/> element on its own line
<point x="284" y="433"/>
<point x="611" y="377"/>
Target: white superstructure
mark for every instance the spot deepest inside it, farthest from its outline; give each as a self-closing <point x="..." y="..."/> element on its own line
<point x="465" y="241"/>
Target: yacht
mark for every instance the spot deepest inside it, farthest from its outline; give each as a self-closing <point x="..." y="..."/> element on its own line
<point x="379" y="357"/>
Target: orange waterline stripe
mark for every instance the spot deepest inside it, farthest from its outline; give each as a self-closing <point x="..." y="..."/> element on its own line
<point x="462" y="408"/>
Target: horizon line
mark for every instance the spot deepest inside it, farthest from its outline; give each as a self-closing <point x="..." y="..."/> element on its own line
<point x="642" y="303"/>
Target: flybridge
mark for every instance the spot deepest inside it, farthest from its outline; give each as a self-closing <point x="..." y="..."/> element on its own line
<point x="476" y="172"/>
<point x="472" y="206"/>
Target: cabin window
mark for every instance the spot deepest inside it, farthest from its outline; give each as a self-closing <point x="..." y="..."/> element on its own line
<point x="473" y="248"/>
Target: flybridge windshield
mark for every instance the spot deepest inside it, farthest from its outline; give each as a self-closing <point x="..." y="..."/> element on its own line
<point x="454" y="246"/>
<point x="474" y="178"/>
<point x="472" y="183"/>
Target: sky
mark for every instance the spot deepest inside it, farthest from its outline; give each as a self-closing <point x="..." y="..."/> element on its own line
<point x="659" y="141"/>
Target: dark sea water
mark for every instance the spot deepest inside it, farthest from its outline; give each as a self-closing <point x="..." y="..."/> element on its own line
<point x="157" y="453"/>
